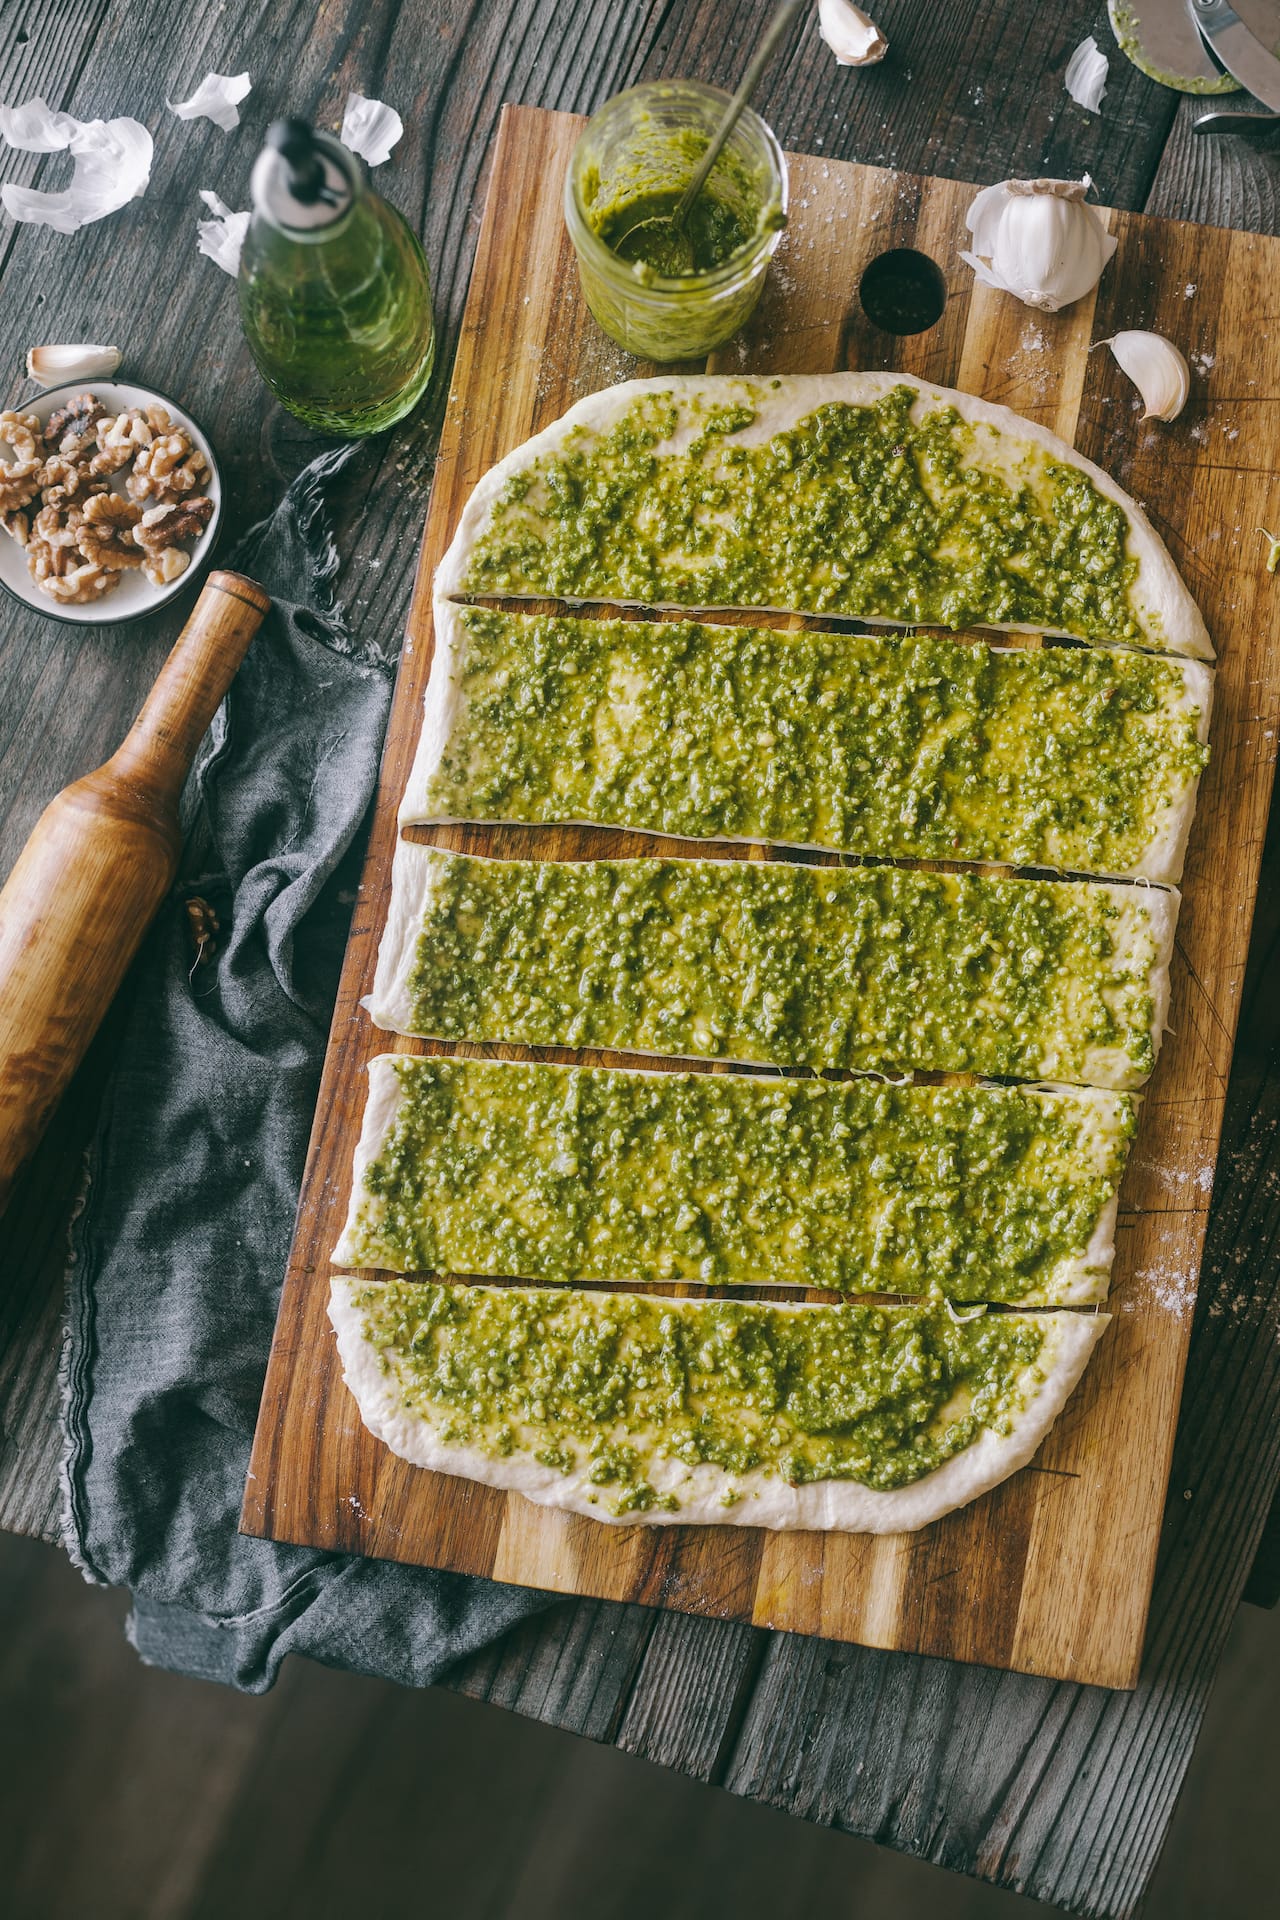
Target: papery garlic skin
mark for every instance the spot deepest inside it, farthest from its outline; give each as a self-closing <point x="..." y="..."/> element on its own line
<point x="112" y="165"/>
<point x="50" y="366"/>
<point x="1085" y="78"/>
<point x="1037" y="240"/>
<point x="370" y="128"/>
<point x="1157" y="369"/>
<point x="221" y="238"/>
<point x="852" y="35"/>
<point x="217" y="98"/>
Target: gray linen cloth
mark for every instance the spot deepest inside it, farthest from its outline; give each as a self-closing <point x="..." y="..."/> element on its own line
<point x="179" y="1251"/>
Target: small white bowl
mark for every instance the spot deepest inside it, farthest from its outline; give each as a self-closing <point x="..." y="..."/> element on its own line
<point x="135" y="597"/>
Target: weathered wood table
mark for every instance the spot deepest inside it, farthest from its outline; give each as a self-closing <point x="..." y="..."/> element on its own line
<point x="1061" y="1791"/>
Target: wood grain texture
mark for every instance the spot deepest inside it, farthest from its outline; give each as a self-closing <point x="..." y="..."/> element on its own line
<point x="1000" y="1582"/>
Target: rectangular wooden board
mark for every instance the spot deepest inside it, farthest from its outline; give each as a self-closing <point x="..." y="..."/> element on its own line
<point x="1051" y="1573"/>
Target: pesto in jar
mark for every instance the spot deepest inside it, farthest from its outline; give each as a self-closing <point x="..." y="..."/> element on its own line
<point x="1062" y="757"/>
<point x="789" y="965"/>
<point x="855" y="510"/>
<point x="586" y="1174"/>
<point x="620" y="1388"/>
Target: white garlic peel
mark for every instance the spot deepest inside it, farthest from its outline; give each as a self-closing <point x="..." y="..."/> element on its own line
<point x="1157" y="369"/>
<point x="221" y="238"/>
<point x="1037" y="240"/>
<point x="112" y="165"/>
<point x="50" y="366"/>
<point x="217" y="98"/>
<point x="1085" y="78"/>
<point x="851" y="34"/>
<point x="370" y="128"/>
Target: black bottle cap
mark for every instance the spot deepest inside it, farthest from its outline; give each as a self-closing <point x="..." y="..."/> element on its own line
<point x="295" y="142"/>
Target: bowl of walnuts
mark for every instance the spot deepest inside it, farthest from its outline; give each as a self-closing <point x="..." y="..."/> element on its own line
<point x="109" y="502"/>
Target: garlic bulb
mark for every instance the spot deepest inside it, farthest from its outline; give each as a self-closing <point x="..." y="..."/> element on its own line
<point x="52" y="365"/>
<point x="1157" y="370"/>
<point x="852" y="35"/>
<point x="1038" y="240"/>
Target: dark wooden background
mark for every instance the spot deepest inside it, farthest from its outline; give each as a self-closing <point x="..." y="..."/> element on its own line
<point x="1062" y="1791"/>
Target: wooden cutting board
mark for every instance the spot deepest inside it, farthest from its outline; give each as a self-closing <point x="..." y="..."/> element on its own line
<point x="1051" y="1573"/>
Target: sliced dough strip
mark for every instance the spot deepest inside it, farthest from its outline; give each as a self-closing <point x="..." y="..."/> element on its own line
<point x="1083" y="759"/>
<point x="635" y="1408"/>
<point x="593" y="1174"/>
<point x="872" y="496"/>
<point x="770" y="963"/>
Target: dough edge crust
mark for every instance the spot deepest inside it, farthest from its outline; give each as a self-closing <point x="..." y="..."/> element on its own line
<point x="842" y="1506"/>
<point x="1170" y="618"/>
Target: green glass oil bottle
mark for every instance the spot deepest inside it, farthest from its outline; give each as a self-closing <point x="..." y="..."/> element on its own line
<point x="335" y="299"/>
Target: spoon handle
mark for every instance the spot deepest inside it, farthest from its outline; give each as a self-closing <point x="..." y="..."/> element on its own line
<point x="746" y="87"/>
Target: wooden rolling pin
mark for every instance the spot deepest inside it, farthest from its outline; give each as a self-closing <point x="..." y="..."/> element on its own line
<point x="100" y="860"/>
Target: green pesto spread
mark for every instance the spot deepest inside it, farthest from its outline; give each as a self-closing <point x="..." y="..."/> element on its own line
<point x="854" y="511"/>
<point x="642" y="231"/>
<point x="1065" y="757"/>
<point x="569" y="1174"/>
<point x="871" y="967"/>
<point x="620" y="1388"/>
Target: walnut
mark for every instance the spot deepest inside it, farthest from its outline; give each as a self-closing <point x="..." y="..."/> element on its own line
<point x="63" y="480"/>
<point x="65" y="574"/>
<point x="168" y="468"/>
<point x="79" y="535"/>
<point x="119" y="438"/>
<point x="57" y="526"/>
<point x="108" y="520"/>
<point x="71" y="428"/>
<point x="82" y="583"/>
<point x="164" y="567"/>
<point x="203" y="928"/>
<point x="179" y="520"/>
<point x="19" y="478"/>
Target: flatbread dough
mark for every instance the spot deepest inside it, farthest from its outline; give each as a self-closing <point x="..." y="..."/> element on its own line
<point x="972" y="1032"/>
<point x="1016" y="450"/>
<point x="511" y="1175"/>
<point x="599" y="723"/>
<point x="707" y="1495"/>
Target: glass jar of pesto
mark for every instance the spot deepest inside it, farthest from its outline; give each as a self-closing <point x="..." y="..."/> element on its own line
<point x="662" y="297"/>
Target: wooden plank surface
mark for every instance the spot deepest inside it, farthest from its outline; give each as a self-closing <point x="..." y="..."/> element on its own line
<point x="1000" y="1582"/>
<point x="972" y="90"/>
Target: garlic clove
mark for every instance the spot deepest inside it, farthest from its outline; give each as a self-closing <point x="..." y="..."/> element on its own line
<point x="1157" y="369"/>
<point x="851" y="34"/>
<point x="1038" y="240"/>
<point x="52" y="365"/>
<point x="1085" y="78"/>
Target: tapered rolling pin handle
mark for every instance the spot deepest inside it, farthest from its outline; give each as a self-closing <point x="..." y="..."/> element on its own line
<point x="100" y="860"/>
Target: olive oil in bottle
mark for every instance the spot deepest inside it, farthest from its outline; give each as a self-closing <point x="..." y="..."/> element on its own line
<point x="334" y="294"/>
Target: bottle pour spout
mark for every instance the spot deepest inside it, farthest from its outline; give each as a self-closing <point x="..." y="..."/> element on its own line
<point x="302" y="180"/>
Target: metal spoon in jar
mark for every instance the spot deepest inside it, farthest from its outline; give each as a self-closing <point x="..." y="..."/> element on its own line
<point x="677" y="245"/>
